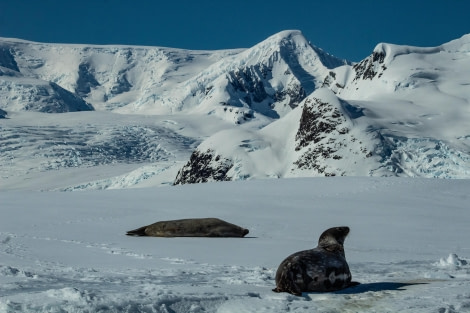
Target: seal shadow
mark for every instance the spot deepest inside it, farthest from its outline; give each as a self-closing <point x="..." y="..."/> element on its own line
<point x="378" y="286"/>
<point x="358" y="288"/>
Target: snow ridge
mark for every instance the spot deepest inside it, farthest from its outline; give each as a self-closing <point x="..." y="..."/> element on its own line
<point x="392" y="109"/>
<point x="282" y="108"/>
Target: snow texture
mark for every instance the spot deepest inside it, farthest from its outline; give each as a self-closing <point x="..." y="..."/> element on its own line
<point x="68" y="252"/>
<point x="134" y="118"/>
<point x="282" y="108"/>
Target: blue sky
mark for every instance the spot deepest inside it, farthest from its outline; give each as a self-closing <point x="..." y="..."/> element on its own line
<point x="347" y="29"/>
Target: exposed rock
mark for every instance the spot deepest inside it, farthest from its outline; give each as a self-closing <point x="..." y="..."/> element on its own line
<point x="323" y="135"/>
<point x="7" y="59"/>
<point x="250" y="82"/>
<point x="296" y="94"/>
<point x="86" y="80"/>
<point x="204" y="167"/>
<point x="370" y="67"/>
<point x="122" y="85"/>
<point x="318" y="119"/>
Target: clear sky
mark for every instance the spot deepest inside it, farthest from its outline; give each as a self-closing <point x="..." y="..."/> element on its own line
<point x="345" y="28"/>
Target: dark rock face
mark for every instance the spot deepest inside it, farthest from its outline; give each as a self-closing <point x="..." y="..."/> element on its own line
<point x="323" y="131"/>
<point x="296" y="94"/>
<point x="86" y="80"/>
<point x="3" y="114"/>
<point x="250" y="85"/>
<point x="122" y="85"/>
<point x="370" y="67"/>
<point x="203" y="167"/>
<point x="318" y="119"/>
<point x="7" y="59"/>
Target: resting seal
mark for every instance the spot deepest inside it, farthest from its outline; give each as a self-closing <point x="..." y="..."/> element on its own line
<point x="192" y="227"/>
<point x="321" y="269"/>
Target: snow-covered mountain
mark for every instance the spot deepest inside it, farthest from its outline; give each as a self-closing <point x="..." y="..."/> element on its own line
<point x="282" y="108"/>
<point x="401" y="111"/>
<point x="270" y="78"/>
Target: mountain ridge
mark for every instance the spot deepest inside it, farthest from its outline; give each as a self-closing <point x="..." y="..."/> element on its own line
<point x="113" y="77"/>
<point x="282" y="108"/>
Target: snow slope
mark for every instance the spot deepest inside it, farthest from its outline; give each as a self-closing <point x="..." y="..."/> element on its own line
<point x="329" y="136"/>
<point x="270" y="78"/>
<point x="67" y="252"/>
<point x="401" y="111"/>
<point x="20" y="93"/>
<point x="282" y="108"/>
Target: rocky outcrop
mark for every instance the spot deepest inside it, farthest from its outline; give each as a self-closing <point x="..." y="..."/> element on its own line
<point x="204" y="167"/>
<point x="7" y="59"/>
<point x="321" y="133"/>
<point x="370" y="67"/>
<point x="86" y="80"/>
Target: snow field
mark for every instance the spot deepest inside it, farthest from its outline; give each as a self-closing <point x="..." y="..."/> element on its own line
<point x="67" y="252"/>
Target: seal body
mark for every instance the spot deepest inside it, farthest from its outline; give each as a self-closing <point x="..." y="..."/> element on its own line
<point x="321" y="269"/>
<point x="192" y="227"/>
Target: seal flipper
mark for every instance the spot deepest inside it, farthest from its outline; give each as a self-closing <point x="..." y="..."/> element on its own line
<point x="295" y="293"/>
<point x="137" y="232"/>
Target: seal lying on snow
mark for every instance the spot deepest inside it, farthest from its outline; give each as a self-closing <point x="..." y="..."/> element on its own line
<point x="192" y="227"/>
<point x="321" y="269"/>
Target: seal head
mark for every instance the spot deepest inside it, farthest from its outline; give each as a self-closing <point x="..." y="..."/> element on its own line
<point x="321" y="269"/>
<point x="332" y="239"/>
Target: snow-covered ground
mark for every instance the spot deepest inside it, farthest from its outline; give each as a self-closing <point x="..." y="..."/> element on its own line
<point x="68" y="252"/>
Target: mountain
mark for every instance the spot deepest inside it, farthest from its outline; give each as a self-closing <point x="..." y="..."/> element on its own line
<point x="402" y="111"/>
<point x="323" y="136"/>
<point x="107" y="77"/>
<point x="282" y="108"/>
<point x="270" y="78"/>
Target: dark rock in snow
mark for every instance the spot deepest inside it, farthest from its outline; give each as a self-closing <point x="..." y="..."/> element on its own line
<point x="204" y="167"/>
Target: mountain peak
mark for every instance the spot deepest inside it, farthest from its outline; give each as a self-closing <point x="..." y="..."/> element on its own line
<point x="287" y="34"/>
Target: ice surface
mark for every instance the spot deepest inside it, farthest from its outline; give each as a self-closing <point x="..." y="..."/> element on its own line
<point x="67" y="251"/>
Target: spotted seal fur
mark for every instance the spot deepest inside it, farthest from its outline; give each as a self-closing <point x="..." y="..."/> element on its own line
<point x="321" y="269"/>
<point x="192" y="227"/>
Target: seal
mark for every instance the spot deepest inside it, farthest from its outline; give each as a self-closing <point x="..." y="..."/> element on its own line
<point x="321" y="269"/>
<point x="191" y="227"/>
